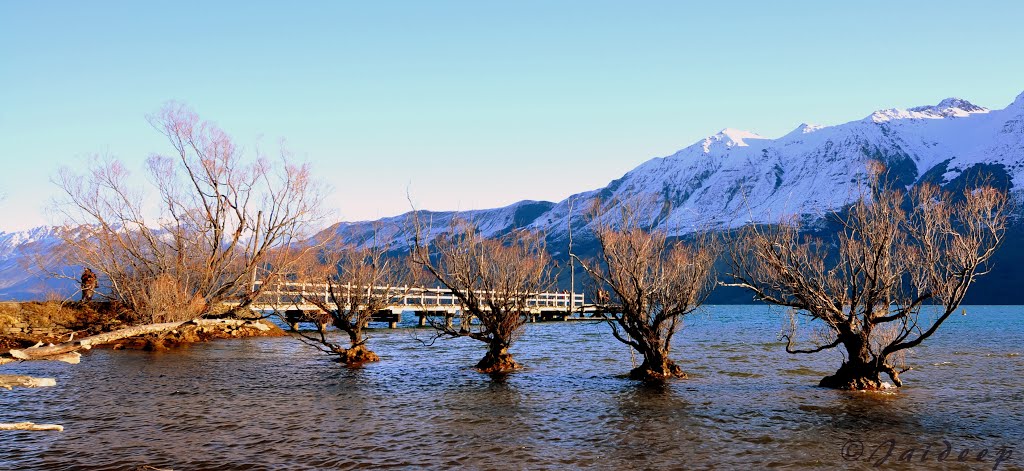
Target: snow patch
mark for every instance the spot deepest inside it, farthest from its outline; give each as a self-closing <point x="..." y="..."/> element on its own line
<point x="729" y="138"/>
<point x="951" y="106"/>
<point x="803" y="128"/>
<point x="809" y="128"/>
<point x="948" y="108"/>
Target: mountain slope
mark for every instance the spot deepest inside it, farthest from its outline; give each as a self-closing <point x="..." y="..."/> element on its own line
<point x="729" y="179"/>
<point x="735" y="177"/>
<point x="399" y="230"/>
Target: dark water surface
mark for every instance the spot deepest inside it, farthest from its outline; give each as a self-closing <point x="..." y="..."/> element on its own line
<point x="278" y="404"/>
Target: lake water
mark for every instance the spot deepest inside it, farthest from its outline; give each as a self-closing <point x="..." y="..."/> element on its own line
<point x="274" y="403"/>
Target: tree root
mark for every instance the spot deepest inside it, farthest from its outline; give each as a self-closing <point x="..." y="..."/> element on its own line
<point x="497" y="363"/>
<point x="357" y="356"/>
<point x="859" y="378"/>
<point x="648" y="373"/>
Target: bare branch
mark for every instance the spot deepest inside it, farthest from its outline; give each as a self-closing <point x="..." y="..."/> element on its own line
<point x="221" y="222"/>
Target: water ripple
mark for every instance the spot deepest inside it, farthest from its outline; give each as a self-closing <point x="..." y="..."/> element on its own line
<point x="273" y="403"/>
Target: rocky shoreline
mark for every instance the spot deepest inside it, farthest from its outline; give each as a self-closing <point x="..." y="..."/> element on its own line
<point x="23" y="325"/>
<point x="191" y="333"/>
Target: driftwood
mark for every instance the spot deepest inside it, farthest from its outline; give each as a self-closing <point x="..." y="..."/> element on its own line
<point x="32" y="426"/>
<point x="67" y="351"/>
<point x="72" y="357"/>
<point x="10" y="381"/>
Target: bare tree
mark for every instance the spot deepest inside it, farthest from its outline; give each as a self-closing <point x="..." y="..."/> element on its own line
<point x="903" y="267"/>
<point x="647" y="284"/>
<point x="493" y="279"/>
<point x="352" y="285"/>
<point x="211" y="223"/>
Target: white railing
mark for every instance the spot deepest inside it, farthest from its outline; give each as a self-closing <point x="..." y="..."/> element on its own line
<point x="288" y="293"/>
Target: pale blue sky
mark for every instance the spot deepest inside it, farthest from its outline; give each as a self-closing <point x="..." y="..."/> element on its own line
<point x="472" y="104"/>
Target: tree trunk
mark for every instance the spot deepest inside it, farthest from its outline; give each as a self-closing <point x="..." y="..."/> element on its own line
<point x="860" y="372"/>
<point x="355" y="336"/>
<point x="497" y="360"/>
<point x="657" y="366"/>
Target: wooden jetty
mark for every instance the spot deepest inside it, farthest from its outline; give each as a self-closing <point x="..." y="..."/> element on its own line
<point x="297" y="301"/>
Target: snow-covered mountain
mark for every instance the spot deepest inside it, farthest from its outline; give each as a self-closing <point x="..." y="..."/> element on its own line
<point x="735" y="177"/>
<point x="28" y="264"/>
<point x="723" y="181"/>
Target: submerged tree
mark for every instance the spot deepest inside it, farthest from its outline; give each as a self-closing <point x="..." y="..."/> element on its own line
<point x="903" y="267"/>
<point x="648" y="285"/>
<point x="493" y="279"/>
<point x="212" y="222"/>
<point x="351" y="286"/>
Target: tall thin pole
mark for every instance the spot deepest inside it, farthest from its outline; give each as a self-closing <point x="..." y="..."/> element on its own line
<point x="572" y="265"/>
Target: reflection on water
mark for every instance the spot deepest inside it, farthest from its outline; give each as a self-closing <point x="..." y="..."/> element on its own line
<point x="277" y="404"/>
